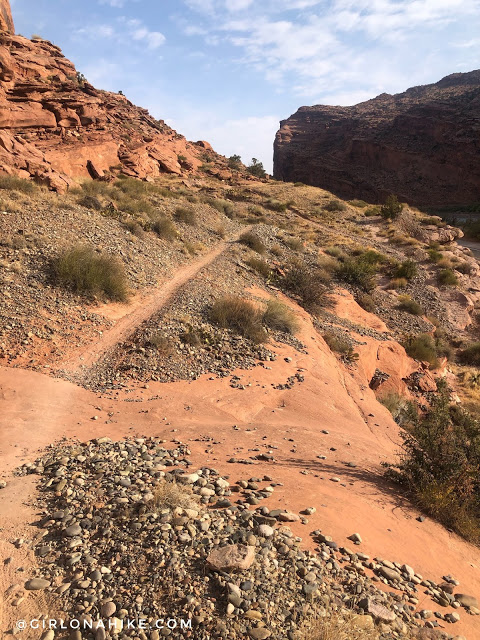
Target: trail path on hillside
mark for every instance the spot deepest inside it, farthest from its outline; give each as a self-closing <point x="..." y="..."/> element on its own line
<point x="143" y="309"/>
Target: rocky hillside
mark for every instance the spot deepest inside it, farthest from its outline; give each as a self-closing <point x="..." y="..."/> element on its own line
<point x="422" y="145"/>
<point x="55" y="126"/>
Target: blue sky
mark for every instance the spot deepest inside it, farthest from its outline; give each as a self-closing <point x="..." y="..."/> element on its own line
<point x="228" y="70"/>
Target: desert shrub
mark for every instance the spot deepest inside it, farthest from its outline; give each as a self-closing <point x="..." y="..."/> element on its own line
<point x="276" y="205"/>
<point x="294" y="243"/>
<point x="403" y="411"/>
<point x="440" y="465"/>
<point x="411" y="306"/>
<point x="239" y="315"/>
<point x="298" y="184"/>
<point x="308" y="284"/>
<point x="279" y="317"/>
<point x="182" y="214"/>
<point x="340" y="344"/>
<point x="360" y="204"/>
<point x="422" y="348"/>
<point x="219" y="230"/>
<point x="391" y="209"/>
<point x="434" y="255"/>
<point x="334" y="206"/>
<point x="470" y="355"/>
<point x="86" y="272"/>
<point x="372" y="211"/>
<point x="134" y="227"/>
<point x="251" y="240"/>
<point x="14" y="183"/>
<point x="255" y="168"/>
<point x="465" y="268"/>
<point x="359" y="271"/>
<point x="235" y="162"/>
<point x="161" y="343"/>
<point x="165" y="228"/>
<point x="170" y="495"/>
<point x="223" y="206"/>
<point x="90" y="202"/>
<point x="366" y="302"/>
<point x="256" y="211"/>
<point x="335" y="252"/>
<point x="407" y="269"/>
<point x="276" y="249"/>
<point x="447" y="277"/>
<point x="134" y="205"/>
<point x="260" y="266"/>
<point x="132" y="187"/>
<point x="398" y="283"/>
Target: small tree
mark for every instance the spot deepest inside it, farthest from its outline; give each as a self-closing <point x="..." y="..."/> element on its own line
<point x="235" y="161"/>
<point x="255" y="168"/>
<point x="392" y="208"/>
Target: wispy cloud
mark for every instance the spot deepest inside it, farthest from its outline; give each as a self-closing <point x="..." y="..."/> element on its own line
<point x="122" y="29"/>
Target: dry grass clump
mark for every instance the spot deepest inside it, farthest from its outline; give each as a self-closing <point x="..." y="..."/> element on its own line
<point x="239" y="315"/>
<point x="260" y="266"/>
<point x="340" y="344"/>
<point x="251" y="240"/>
<point x="406" y="303"/>
<point x="165" y="228"/>
<point x="470" y="355"/>
<point x="14" y="183"/>
<point x="162" y="344"/>
<point x="398" y="283"/>
<point x="279" y="317"/>
<point x="170" y="495"/>
<point x="187" y="216"/>
<point x="339" y="627"/>
<point x="86" y="272"/>
<point x="447" y="277"/>
<point x="294" y="243"/>
<point x="309" y="284"/>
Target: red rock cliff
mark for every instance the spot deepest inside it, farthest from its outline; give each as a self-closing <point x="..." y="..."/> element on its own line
<point x="6" y="20"/>
<point x="55" y="126"/>
<point x="423" y="145"/>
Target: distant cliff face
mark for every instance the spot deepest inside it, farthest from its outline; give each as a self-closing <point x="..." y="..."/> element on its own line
<point x="6" y="20"/>
<point x="423" y="145"/>
<point x="55" y="126"/>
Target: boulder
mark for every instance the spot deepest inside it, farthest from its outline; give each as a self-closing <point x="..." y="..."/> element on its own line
<point x="233" y="557"/>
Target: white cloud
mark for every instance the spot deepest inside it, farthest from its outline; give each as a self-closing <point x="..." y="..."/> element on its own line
<point x="124" y="28"/>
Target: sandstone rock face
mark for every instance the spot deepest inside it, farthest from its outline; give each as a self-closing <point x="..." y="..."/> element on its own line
<point x="55" y="126"/>
<point x="6" y="20"/>
<point x="423" y="145"/>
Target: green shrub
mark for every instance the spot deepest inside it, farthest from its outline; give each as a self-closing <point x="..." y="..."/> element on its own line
<point x="403" y="411"/>
<point x="398" y="283"/>
<point x="239" y="315"/>
<point x="308" y="283"/>
<point x="260" y="266"/>
<point x="87" y="272"/>
<point x="470" y="355"/>
<point x="255" y="168"/>
<point x="279" y="317"/>
<point x="187" y="216"/>
<point x="411" y="306"/>
<point x="235" y="162"/>
<point x="358" y="271"/>
<point x="440" y="465"/>
<point x="132" y="187"/>
<point x="422" y="348"/>
<point x="14" y="183"/>
<point x="372" y="211"/>
<point x="391" y="209"/>
<point x="165" y="228"/>
<point x="447" y="277"/>
<point x="434" y="255"/>
<point x="251" y="240"/>
<point x="407" y="269"/>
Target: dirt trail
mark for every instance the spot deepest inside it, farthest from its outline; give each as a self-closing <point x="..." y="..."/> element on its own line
<point x="143" y="309"/>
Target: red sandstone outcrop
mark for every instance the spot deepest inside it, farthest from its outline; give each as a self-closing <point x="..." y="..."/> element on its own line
<point x="55" y="126"/>
<point x="423" y="145"/>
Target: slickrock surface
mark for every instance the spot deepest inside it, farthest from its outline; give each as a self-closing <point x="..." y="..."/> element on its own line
<point x="422" y="145"/>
